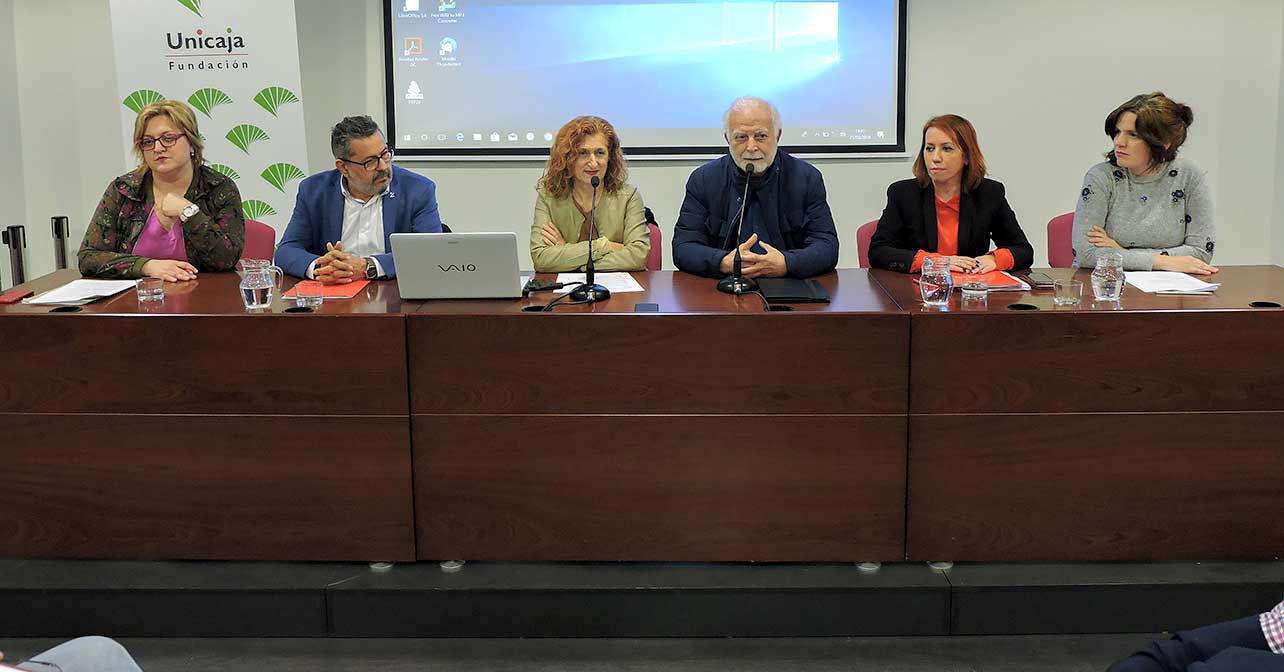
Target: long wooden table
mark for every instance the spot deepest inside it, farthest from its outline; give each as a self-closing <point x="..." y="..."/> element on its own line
<point x="1147" y="429"/>
<point x="191" y="429"/>
<point x="865" y="429"/>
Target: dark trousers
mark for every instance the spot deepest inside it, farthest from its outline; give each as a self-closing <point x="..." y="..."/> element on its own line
<point x="1232" y="646"/>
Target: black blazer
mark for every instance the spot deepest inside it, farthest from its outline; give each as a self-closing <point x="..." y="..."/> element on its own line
<point x="908" y="225"/>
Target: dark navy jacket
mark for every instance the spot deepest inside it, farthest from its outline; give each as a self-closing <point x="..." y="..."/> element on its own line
<point x="410" y="206"/>
<point x="794" y="210"/>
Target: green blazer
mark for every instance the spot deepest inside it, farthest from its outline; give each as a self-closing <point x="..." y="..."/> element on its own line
<point x="619" y="219"/>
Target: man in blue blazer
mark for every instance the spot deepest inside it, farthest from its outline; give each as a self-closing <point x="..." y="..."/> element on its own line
<point x="788" y="229"/>
<point x="343" y="218"/>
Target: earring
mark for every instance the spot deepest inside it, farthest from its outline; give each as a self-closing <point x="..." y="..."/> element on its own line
<point x="192" y="153"/>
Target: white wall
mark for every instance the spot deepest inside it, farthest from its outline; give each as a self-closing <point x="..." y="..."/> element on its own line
<point x="68" y="105"/>
<point x="12" y="188"/>
<point x="1036" y="77"/>
<point x="1277" y="241"/>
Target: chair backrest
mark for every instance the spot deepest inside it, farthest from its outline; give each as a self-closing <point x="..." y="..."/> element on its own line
<point x="863" y="234"/>
<point x="260" y="240"/>
<point x="657" y="239"/>
<point x="1060" y="249"/>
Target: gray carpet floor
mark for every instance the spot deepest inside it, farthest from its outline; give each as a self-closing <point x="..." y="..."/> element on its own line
<point x="1045" y="653"/>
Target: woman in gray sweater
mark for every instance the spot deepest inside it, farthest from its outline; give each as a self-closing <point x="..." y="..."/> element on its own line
<point x="1155" y="208"/>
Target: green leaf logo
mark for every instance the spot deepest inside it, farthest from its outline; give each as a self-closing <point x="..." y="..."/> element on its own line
<point x="278" y="174"/>
<point x="206" y="100"/>
<point x="255" y="209"/>
<point x="245" y="135"/>
<point x="226" y="170"/>
<point x="194" y="5"/>
<point x="273" y="97"/>
<point x="141" y="98"/>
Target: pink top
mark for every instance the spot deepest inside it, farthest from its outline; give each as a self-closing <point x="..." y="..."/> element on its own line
<point x="157" y="243"/>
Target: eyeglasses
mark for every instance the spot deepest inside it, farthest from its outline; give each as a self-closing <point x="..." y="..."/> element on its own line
<point x="147" y="142"/>
<point x="371" y="164"/>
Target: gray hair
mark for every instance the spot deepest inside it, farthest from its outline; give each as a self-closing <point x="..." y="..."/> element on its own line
<point x="744" y="103"/>
<point x="351" y="128"/>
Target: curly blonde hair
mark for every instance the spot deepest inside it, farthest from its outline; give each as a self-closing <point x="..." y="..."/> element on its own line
<point x="557" y="176"/>
<point x="182" y="116"/>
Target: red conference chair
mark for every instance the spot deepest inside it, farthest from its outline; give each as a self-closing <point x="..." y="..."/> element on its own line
<point x="657" y="239"/>
<point x="260" y="241"/>
<point x="863" y="234"/>
<point x="1060" y="249"/>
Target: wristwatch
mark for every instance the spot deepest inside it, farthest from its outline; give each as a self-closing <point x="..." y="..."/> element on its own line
<point x="189" y="212"/>
<point x="372" y="271"/>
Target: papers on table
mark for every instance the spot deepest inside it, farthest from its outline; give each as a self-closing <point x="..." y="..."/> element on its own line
<point x="348" y="291"/>
<point x="996" y="281"/>
<point x="80" y="292"/>
<point x="616" y="282"/>
<point x="1169" y="282"/>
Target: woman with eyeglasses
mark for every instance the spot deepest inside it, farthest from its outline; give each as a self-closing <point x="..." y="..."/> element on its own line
<point x="172" y="216"/>
<point x="587" y="149"/>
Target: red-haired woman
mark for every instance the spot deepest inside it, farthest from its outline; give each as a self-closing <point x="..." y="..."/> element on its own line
<point x="949" y="209"/>
<point x="584" y="149"/>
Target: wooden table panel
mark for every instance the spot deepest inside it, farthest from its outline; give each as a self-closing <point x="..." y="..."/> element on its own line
<point x="202" y="487"/>
<point x="1097" y="362"/>
<point x="203" y="364"/>
<point x="693" y="488"/>
<point x="1178" y="486"/>
<point x="765" y="363"/>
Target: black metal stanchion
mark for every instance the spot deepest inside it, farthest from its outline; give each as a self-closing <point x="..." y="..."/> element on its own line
<point x="16" y="238"/>
<point x="60" y="233"/>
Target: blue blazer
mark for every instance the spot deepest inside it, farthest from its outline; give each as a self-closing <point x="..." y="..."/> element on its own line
<point x="794" y="211"/>
<point x="410" y="206"/>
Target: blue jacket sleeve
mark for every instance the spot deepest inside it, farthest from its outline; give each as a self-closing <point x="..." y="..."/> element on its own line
<point x="424" y="218"/>
<point x="819" y="253"/>
<point x="692" y="251"/>
<point x="292" y="254"/>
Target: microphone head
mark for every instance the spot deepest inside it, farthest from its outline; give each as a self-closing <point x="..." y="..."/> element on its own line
<point x="595" y="181"/>
<point x="749" y="169"/>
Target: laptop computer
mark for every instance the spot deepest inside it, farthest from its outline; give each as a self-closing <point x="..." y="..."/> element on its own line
<point x="457" y="265"/>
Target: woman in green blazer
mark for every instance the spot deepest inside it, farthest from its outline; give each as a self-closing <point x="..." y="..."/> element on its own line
<point x="585" y="148"/>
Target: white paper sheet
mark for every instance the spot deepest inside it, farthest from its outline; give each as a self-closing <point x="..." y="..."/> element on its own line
<point x="81" y="291"/>
<point x="616" y="282"/>
<point x="1168" y="282"/>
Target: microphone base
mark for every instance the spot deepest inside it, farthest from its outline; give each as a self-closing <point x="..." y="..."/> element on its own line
<point x="590" y="293"/>
<point x="737" y="284"/>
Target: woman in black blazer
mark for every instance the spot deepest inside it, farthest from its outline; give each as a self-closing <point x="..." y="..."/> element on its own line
<point x="949" y="209"/>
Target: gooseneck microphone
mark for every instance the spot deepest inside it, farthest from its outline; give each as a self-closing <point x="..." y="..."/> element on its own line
<point x="735" y="283"/>
<point x="590" y="291"/>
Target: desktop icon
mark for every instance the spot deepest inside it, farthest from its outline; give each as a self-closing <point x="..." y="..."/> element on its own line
<point x="445" y="5"/>
<point x="447" y="47"/>
<point x="424" y="137"/>
<point x="412" y="46"/>
<point x="530" y="136"/>
<point x="411" y="6"/>
<point x="880" y="134"/>
<point x="407" y="137"/>
<point x="512" y="137"/>
<point x="477" y="137"/>
<point x="547" y="136"/>
<point x="494" y="137"/>
<point x="413" y="92"/>
<point x="441" y="137"/>
<point x="459" y="137"/>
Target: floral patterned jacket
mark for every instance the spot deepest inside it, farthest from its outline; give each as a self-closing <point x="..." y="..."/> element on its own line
<point x="214" y="238"/>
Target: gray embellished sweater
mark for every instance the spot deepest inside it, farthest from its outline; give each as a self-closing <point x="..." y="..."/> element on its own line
<point x="1169" y="212"/>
